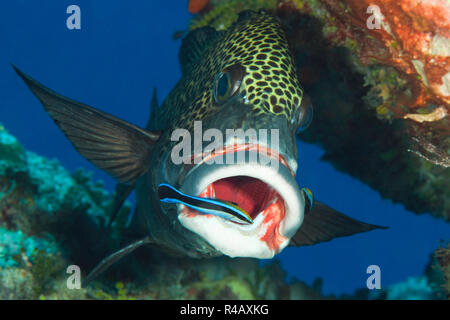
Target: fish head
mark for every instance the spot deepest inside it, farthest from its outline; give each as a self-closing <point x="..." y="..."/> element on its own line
<point x="246" y="108"/>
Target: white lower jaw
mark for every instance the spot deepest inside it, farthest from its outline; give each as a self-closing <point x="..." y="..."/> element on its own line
<point x="230" y="239"/>
<point x="236" y="240"/>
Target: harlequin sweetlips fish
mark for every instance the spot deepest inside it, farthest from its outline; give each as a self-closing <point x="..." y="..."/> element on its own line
<point x="240" y="78"/>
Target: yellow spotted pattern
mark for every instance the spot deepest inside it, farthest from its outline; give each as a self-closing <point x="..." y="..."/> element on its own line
<point x="256" y="42"/>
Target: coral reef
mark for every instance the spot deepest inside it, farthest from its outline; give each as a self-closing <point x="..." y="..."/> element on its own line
<point x="407" y="45"/>
<point x="386" y="72"/>
<point x="195" y="6"/>
<point x="442" y="267"/>
<point x="221" y="14"/>
<point x="48" y="218"/>
<point x="414" y="288"/>
<point x="432" y="285"/>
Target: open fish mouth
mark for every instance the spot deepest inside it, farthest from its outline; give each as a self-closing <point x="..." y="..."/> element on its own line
<point x="248" y="193"/>
<point x="268" y="193"/>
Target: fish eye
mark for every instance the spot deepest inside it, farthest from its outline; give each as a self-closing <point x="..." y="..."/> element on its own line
<point x="223" y="85"/>
<point x="305" y="114"/>
<point x="227" y="83"/>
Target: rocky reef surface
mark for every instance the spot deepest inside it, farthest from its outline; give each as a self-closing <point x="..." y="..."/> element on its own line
<point x="51" y="219"/>
<point x="378" y="75"/>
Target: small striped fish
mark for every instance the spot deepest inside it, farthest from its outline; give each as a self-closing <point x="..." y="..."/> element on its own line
<point x="221" y="208"/>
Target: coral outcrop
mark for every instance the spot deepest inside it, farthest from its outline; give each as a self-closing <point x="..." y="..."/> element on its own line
<point x="432" y="285"/>
<point x="442" y="257"/>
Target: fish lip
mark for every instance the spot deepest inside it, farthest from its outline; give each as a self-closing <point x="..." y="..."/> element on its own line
<point x="281" y="179"/>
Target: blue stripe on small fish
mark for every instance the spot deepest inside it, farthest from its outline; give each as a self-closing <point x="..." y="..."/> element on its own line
<point x="213" y="206"/>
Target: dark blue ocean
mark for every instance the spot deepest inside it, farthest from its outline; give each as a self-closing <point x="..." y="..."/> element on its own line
<point x="123" y="50"/>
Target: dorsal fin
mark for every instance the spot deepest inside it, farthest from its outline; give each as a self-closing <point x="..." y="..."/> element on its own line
<point x="153" y="111"/>
<point x="194" y="46"/>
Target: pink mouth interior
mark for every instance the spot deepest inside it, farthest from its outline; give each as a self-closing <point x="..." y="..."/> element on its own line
<point x="250" y="194"/>
<point x="256" y="198"/>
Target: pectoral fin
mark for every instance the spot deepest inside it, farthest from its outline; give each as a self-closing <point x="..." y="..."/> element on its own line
<point x="111" y="259"/>
<point x="114" y="145"/>
<point x="323" y="223"/>
<point x="122" y="192"/>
